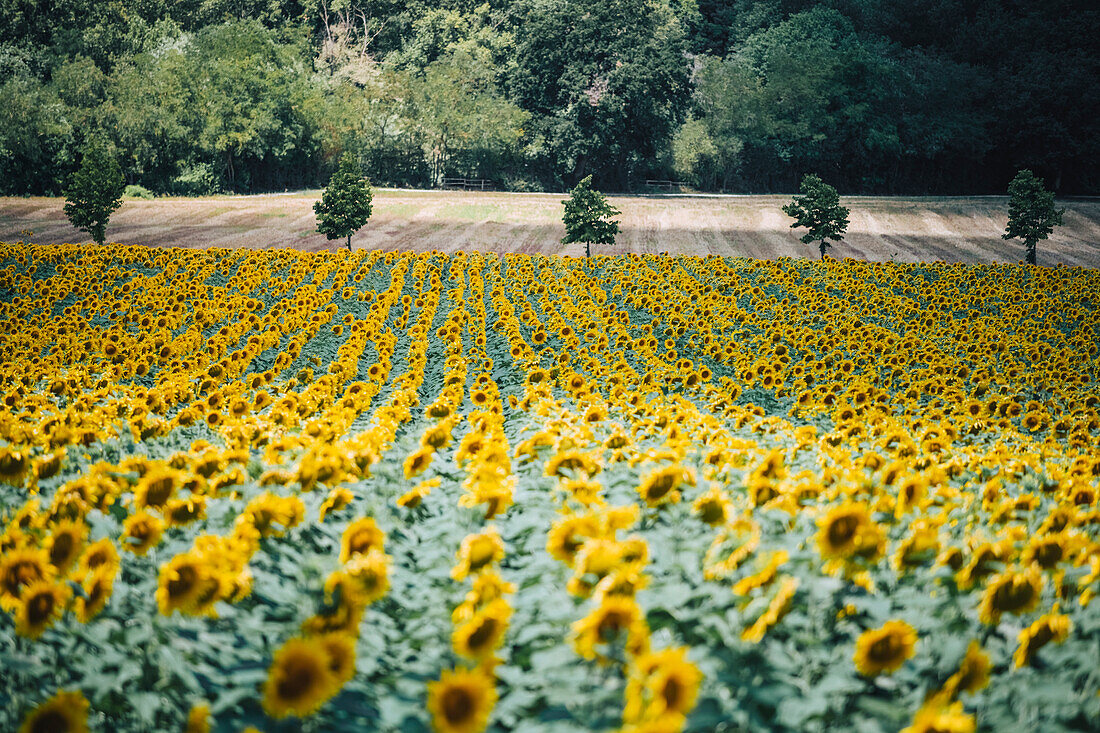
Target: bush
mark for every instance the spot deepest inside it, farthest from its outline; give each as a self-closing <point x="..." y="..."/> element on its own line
<point x="134" y="191"/>
<point x="196" y="180"/>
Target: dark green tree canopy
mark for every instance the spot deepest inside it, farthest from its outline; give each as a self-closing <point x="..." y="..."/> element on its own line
<point x="1031" y="213"/>
<point x="345" y="206"/>
<point x="95" y="192"/>
<point x="819" y="210"/>
<point x="588" y="217"/>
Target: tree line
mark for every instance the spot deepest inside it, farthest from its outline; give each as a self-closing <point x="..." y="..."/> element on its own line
<point x="201" y="96"/>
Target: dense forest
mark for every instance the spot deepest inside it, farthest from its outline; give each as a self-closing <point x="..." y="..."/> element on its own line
<point x="876" y="96"/>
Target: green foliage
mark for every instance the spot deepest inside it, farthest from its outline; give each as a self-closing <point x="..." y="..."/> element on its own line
<point x="819" y="210"/>
<point x="345" y="206"/>
<point x="134" y="191"/>
<point x="95" y="192"/>
<point x="886" y="96"/>
<point x="1031" y="213"/>
<point x="588" y="217"/>
<point x="606" y="84"/>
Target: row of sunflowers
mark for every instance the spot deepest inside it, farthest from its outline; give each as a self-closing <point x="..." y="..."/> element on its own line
<point x="272" y="490"/>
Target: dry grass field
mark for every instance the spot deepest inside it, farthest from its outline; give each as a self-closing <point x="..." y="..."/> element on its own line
<point x="882" y="228"/>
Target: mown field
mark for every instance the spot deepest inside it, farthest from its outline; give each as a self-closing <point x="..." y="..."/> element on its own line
<point x="883" y="229"/>
<point x="412" y="492"/>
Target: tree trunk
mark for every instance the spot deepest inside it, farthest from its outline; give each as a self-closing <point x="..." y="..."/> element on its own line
<point x="822" y="247"/>
<point x="349" y="243"/>
<point x="587" y="250"/>
<point x="1031" y="253"/>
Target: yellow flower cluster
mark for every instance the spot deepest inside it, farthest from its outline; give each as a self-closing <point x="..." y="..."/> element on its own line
<point x="902" y="424"/>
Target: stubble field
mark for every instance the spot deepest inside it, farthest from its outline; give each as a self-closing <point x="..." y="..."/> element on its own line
<point x="883" y="229"/>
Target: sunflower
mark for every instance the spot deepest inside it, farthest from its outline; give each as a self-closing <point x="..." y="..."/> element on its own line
<point x="937" y="717"/>
<point x="18" y="569"/>
<point x="974" y="670"/>
<point x="97" y="588"/>
<point x="415" y="496"/>
<point x="768" y="569"/>
<point x="65" y="712"/>
<point x="478" y="637"/>
<point x="14" y="463"/>
<point x="360" y="537"/>
<point x="597" y="559"/>
<point x="774" y="613"/>
<point x="1054" y="627"/>
<point x="340" y="649"/>
<point x="156" y="487"/>
<point x="343" y="607"/>
<point x="65" y="542"/>
<point x="731" y="546"/>
<point x="198" y="719"/>
<point x="622" y="581"/>
<point x="141" y="531"/>
<point x="584" y="491"/>
<point x="478" y="551"/>
<point x="181" y="512"/>
<point x="884" y="649"/>
<point x="712" y="507"/>
<point x="660" y="486"/>
<point x="574" y="461"/>
<point x="616" y="619"/>
<point x="371" y="573"/>
<point x="461" y="701"/>
<point x="488" y="586"/>
<point x="661" y="683"/>
<point x="336" y="500"/>
<point x="568" y="535"/>
<point x="300" y="679"/>
<point x="846" y="530"/>
<point x="418" y="461"/>
<point x="182" y="581"/>
<point x="40" y="605"/>
<point x="1010" y="592"/>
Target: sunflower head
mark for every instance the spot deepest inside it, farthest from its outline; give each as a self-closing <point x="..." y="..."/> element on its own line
<point x="19" y="568"/>
<point x="1051" y="627"/>
<point x="97" y="586"/>
<point x="65" y="712"/>
<point x="477" y="552"/>
<point x="660" y="684"/>
<point x="885" y="649"/>
<point x="941" y="716"/>
<point x="360" y="537"/>
<point x="40" y="605"/>
<point x="1010" y="592"/>
<point x="182" y="583"/>
<point x="198" y="719"/>
<point x="300" y="679"/>
<point x="141" y="531"/>
<point x="974" y="671"/>
<point x="370" y="571"/>
<point x="460" y="702"/>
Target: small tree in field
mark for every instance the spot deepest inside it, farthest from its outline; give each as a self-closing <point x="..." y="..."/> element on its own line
<point x="819" y="210"/>
<point x="95" y="192"/>
<point x="588" y="217"/>
<point x="345" y="205"/>
<point x="1031" y="212"/>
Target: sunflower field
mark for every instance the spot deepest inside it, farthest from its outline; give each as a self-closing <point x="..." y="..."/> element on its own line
<point x="279" y="491"/>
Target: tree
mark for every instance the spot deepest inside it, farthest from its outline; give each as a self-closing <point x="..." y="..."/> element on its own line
<point x="587" y="217"/>
<point x="1031" y="212"/>
<point x="95" y="192"/>
<point x="345" y="205"/>
<point x="819" y="210"/>
<point x="606" y="83"/>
